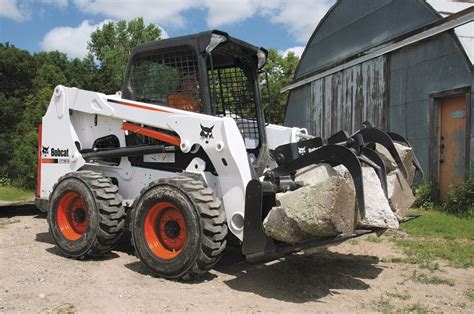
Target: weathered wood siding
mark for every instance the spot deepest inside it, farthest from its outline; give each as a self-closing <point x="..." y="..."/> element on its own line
<point x="344" y="100"/>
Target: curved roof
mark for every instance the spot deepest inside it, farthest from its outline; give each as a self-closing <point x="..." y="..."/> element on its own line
<point x="464" y="33"/>
<point x="352" y="28"/>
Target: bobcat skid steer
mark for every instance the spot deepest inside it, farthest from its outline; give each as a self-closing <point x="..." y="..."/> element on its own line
<point x="183" y="157"/>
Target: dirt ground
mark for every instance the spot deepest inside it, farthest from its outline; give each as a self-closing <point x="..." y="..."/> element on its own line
<point x="356" y="277"/>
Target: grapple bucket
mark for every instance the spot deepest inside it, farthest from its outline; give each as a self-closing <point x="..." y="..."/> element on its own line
<point x="334" y="155"/>
<point x="351" y="151"/>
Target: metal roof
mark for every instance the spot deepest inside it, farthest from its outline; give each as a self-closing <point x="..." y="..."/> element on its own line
<point x="465" y="33"/>
<point x="452" y="21"/>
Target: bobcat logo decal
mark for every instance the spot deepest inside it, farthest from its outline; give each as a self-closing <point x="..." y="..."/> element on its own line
<point x="206" y="133"/>
<point x="301" y="151"/>
<point x="45" y="151"/>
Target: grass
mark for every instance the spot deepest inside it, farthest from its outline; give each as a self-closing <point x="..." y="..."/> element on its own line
<point x="459" y="254"/>
<point x="374" y="239"/>
<point x="11" y="193"/>
<point x="470" y="295"/>
<point x="438" y="224"/>
<point x="395" y="260"/>
<point x="417" y="308"/>
<point x="437" y="235"/>
<point x="431" y="280"/>
<point x="384" y="306"/>
<point x="423" y="264"/>
<point x="430" y="266"/>
<point x="399" y="295"/>
<point x="353" y="241"/>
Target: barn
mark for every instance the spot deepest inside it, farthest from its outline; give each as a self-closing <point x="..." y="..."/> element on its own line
<point x="404" y="65"/>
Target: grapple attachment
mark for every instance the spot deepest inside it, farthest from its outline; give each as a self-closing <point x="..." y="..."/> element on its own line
<point x="351" y="151"/>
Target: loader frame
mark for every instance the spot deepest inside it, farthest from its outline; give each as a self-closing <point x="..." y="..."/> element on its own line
<point x="214" y="143"/>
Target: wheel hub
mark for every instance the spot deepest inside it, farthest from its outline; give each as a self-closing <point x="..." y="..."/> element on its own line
<point x="72" y="216"/>
<point x="165" y="230"/>
<point x="172" y="229"/>
<point x="79" y="215"/>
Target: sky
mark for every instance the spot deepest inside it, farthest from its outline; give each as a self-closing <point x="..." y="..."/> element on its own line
<point x="65" y="25"/>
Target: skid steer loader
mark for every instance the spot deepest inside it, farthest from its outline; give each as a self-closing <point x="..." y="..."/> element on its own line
<point x="181" y="156"/>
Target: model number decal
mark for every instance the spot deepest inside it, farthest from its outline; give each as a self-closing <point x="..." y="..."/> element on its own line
<point x="160" y="157"/>
<point x="54" y="155"/>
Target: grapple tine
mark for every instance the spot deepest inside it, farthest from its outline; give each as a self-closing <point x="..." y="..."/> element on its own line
<point x="379" y="166"/>
<point x="398" y="138"/>
<point x="375" y="135"/>
<point x="338" y="137"/>
<point x="334" y="155"/>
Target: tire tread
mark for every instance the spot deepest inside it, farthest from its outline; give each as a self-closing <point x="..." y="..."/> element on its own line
<point x="213" y="223"/>
<point x="111" y="213"/>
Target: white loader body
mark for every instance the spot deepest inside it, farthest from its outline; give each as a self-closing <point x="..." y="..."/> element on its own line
<point x="76" y="118"/>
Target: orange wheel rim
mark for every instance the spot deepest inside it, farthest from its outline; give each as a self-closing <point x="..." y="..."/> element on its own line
<point x="72" y="216"/>
<point x="165" y="230"/>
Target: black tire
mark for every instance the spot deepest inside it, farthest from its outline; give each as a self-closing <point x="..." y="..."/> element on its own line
<point x="205" y="224"/>
<point x="93" y="231"/>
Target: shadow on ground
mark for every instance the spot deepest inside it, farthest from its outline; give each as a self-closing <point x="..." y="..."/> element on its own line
<point x="300" y="278"/>
<point x="45" y="237"/>
<point x="18" y="211"/>
<point x="296" y="278"/>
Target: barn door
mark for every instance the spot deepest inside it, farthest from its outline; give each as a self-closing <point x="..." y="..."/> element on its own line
<point x="452" y="140"/>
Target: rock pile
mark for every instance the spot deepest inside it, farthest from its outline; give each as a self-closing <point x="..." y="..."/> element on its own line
<point x="325" y="204"/>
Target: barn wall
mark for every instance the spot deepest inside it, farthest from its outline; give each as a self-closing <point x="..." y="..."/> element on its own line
<point x="471" y="151"/>
<point x="416" y="72"/>
<point x="342" y="101"/>
<point x="394" y="91"/>
<point x="299" y="108"/>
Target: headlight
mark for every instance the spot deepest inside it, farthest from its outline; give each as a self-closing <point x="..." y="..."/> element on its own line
<point x="216" y="39"/>
<point x="261" y="59"/>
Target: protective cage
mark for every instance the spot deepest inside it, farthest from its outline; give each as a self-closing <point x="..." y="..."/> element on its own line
<point x="233" y="95"/>
<point x="167" y="77"/>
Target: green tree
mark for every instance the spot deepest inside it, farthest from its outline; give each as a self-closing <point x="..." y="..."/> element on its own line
<point x="281" y="70"/>
<point x="17" y="69"/>
<point x="55" y="68"/>
<point x="10" y="114"/>
<point x="111" y="44"/>
<point x="56" y="58"/>
<point x="23" y="117"/>
<point x="81" y="73"/>
<point x="49" y="76"/>
<point x="22" y="166"/>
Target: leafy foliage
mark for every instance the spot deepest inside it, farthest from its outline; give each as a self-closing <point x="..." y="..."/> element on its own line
<point x="425" y="196"/>
<point x="23" y="164"/>
<point x="460" y="199"/>
<point x="28" y="81"/>
<point x="281" y="70"/>
<point x="146" y="86"/>
<point x="111" y="44"/>
<point x="9" y="117"/>
<point x="17" y="70"/>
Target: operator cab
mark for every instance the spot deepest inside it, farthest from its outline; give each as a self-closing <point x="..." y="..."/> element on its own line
<point x="209" y="72"/>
